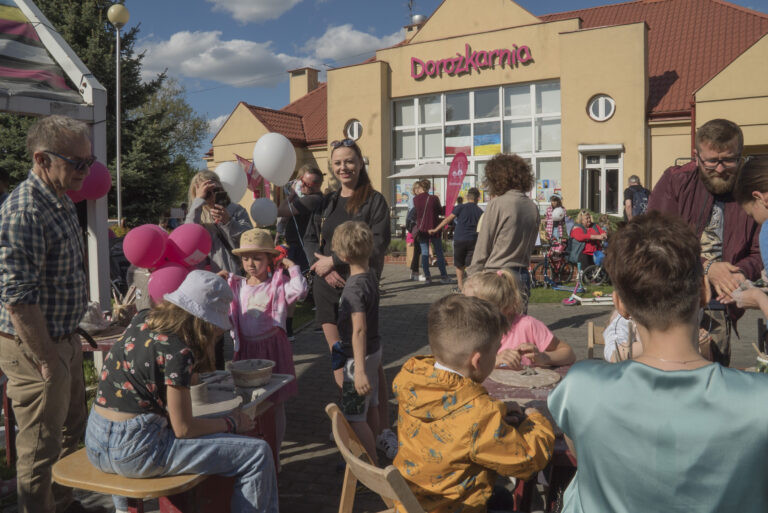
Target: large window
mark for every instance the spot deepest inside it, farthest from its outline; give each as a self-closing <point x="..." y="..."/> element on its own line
<point x="522" y="118"/>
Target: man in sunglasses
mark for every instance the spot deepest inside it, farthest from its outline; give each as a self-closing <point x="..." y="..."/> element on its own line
<point x="43" y="296"/>
<point x="700" y="192"/>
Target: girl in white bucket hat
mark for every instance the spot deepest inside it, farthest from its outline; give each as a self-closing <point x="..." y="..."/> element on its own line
<point x="141" y="424"/>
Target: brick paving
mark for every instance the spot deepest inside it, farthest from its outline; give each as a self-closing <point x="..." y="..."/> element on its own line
<point x="310" y="476"/>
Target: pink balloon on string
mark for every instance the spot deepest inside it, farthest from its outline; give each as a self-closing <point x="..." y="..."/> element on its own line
<point x="165" y="280"/>
<point x="145" y="245"/>
<point x="188" y="245"/>
<point x="97" y="183"/>
<point x="75" y="196"/>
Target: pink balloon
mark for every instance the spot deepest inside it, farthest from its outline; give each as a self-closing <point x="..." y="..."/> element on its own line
<point x="165" y="280"/>
<point x="144" y="246"/>
<point x="97" y="183"/>
<point x="188" y="245"/>
<point x="75" y="196"/>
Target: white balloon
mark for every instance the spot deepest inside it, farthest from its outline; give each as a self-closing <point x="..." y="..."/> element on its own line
<point x="233" y="179"/>
<point x="558" y="214"/>
<point x="274" y="158"/>
<point x="264" y="212"/>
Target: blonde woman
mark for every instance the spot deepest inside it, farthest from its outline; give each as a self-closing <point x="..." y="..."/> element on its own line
<point x="225" y="220"/>
<point x="590" y="234"/>
<point x="141" y="424"/>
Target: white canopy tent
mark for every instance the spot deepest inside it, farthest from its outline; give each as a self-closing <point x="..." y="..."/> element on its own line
<point x="26" y="89"/>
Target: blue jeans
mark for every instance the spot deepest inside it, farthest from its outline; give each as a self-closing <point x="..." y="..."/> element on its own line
<point x="145" y="446"/>
<point x="437" y="244"/>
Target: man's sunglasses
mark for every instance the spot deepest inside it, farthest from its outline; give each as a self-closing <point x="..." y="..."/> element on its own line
<point x="343" y="142"/>
<point x="79" y="165"/>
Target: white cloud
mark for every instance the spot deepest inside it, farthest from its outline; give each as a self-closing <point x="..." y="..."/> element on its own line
<point x="254" y="10"/>
<point x="205" y="55"/>
<point x="215" y="123"/>
<point x="344" y="42"/>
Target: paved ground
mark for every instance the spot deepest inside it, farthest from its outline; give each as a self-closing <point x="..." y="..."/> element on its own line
<point x="309" y="477"/>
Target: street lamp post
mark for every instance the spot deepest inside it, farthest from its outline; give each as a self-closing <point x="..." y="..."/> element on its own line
<point x="118" y="16"/>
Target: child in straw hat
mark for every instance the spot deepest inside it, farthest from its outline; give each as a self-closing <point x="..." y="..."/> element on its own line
<point x="259" y="309"/>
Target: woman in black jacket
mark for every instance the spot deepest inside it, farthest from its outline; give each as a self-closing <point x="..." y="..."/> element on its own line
<point x="355" y="200"/>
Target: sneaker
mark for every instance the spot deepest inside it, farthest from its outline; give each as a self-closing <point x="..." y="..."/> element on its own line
<point x="426" y="281"/>
<point x="422" y="277"/>
<point x="414" y="276"/>
<point x="386" y="442"/>
<point x="446" y="279"/>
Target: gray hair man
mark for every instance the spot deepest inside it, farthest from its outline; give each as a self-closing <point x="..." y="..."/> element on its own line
<point x="43" y="296"/>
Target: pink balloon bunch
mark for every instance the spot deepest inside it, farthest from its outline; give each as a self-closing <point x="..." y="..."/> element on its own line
<point x="96" y="184"/>
<point x="171" y="256"/>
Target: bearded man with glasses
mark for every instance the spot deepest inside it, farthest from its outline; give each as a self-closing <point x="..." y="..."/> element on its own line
<point x="700" y="192"/>
<point x="43" y="296"/>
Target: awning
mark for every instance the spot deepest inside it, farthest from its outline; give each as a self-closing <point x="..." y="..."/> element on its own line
<point x="425" y="170"/>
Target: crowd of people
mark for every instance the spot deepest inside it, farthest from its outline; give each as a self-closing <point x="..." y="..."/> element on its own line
<point x="684" y="266"/>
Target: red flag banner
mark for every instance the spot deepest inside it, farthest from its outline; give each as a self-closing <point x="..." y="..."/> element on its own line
<point x="456" y="174"/>
<point x="255" y="180"/>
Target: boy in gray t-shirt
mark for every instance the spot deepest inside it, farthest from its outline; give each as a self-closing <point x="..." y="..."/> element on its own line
<point x="358" y="324"/>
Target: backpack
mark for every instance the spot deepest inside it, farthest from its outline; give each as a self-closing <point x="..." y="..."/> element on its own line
<point x="639" y="200"/>
<point x="574" y="249"/>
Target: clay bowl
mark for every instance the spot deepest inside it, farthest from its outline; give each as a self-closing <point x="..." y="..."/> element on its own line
<point x="251" y="373"/>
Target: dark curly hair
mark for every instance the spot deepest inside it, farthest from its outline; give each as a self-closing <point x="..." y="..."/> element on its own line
<point x="507" y="172"/>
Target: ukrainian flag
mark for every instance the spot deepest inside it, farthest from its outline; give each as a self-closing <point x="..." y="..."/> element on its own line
<point x="487" y="144"/>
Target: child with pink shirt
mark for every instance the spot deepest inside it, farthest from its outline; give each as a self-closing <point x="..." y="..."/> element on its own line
<point x="528" y="341"/>
<point x="259" y="310"/>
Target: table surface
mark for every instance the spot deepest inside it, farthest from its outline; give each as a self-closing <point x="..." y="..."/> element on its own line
<point x="523" y="395"/>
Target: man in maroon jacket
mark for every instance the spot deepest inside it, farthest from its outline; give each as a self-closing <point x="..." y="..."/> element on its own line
<point x="700" y="192"/>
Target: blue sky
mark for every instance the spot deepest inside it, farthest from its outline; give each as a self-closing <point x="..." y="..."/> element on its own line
<point x="226" y="51"/>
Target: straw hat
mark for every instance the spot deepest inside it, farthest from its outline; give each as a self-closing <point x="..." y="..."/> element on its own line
<point x="256" y="240"/>
<point x="204" y="295"/>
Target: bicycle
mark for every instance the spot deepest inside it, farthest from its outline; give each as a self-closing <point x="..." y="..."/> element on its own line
<point x="595" y="274"/>
<point x="555" y="269"/>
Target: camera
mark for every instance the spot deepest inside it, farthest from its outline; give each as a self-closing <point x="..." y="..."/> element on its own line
<point x="220" y="197"/>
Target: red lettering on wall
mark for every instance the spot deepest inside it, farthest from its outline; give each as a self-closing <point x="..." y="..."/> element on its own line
<point x="465" y="63"/>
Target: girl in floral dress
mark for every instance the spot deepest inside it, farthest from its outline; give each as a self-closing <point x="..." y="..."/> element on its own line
<point x="259" y="310"/>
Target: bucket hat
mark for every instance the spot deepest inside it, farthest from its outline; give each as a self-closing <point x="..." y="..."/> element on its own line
<point x="256" y="240"/>
<point x="204" y="295"/>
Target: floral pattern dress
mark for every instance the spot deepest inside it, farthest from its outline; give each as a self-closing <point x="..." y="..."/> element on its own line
<point x="140" y="367"/>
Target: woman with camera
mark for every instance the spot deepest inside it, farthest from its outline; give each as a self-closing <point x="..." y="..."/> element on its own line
<point x="225" y="221"/>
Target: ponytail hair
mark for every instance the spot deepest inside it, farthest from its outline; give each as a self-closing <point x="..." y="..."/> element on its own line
<point x="498" y="287"/>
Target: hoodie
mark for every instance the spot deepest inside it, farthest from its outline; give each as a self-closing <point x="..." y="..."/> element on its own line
<point x="454" y="439"/>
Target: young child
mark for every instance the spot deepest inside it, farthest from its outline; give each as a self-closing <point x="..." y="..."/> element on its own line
<point x="662" y="431"/>
<point x="751" y="191"/>
<point x="358" y="324"/>
<point x="454" y="438"/>
<point x="616" y="338"/>
<point x="528" y="341"/>
<point x="259" y="309"/>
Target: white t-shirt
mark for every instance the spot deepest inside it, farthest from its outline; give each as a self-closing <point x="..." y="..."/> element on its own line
<point x="617" y="332"/>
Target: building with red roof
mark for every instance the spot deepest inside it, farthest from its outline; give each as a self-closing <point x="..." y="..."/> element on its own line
<point x="588" y="97"/>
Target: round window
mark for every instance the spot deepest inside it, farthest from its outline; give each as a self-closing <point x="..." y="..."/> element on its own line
<point x="601" y="107"/>
<point x="353" y="129"/>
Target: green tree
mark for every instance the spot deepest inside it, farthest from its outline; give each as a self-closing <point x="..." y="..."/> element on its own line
<point x="160" y="130"/>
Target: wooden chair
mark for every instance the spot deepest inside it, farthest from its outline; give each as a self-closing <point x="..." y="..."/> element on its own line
<point x="387" y="482"/>
<point x="594" y="337"/>
<point x="176" y="494"/>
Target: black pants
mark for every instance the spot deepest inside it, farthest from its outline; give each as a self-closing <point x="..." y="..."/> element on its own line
<point x="416" y="259"/>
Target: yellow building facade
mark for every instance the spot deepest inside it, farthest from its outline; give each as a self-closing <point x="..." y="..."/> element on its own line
<point x="589" y="98"/>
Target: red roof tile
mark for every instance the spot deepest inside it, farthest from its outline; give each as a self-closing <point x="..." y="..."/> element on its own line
<point x="288" y="124"/>
<point x="689" y="42"/>
<point x="313" y="109"/>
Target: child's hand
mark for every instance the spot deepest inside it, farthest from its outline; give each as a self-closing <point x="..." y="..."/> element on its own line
<point x="286" y="263"/>
<point x="532" y="352"/>
<point x="514" y="414"/>
<point x="362" y="385"/>
<point x="223" y="274"/>
<point x="509" y="358"/>
<point x="243" y="423"/>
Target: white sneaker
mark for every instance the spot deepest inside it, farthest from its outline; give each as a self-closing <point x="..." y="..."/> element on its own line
<point x="386" y="442"/>
<point x="422" y="277"/>
<point x="414" y="276"/>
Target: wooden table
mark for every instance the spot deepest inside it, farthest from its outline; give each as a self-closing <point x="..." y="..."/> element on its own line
<point x="563" y="463"/>
<point x="104" y="341"/>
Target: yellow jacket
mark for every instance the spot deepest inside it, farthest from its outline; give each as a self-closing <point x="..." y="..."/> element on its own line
<point x="454" y="440"/>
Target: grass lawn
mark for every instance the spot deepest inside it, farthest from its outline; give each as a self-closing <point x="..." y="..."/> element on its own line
<point x="547" y="295"/>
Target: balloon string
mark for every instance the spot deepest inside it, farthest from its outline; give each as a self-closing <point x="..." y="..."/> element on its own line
<point x="300" y="235"/>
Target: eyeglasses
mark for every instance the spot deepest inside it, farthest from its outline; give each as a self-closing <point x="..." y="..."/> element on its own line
<point x="343" y="142"/>
<point x="79" y="164"/>
<point x="727" y="162"/>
